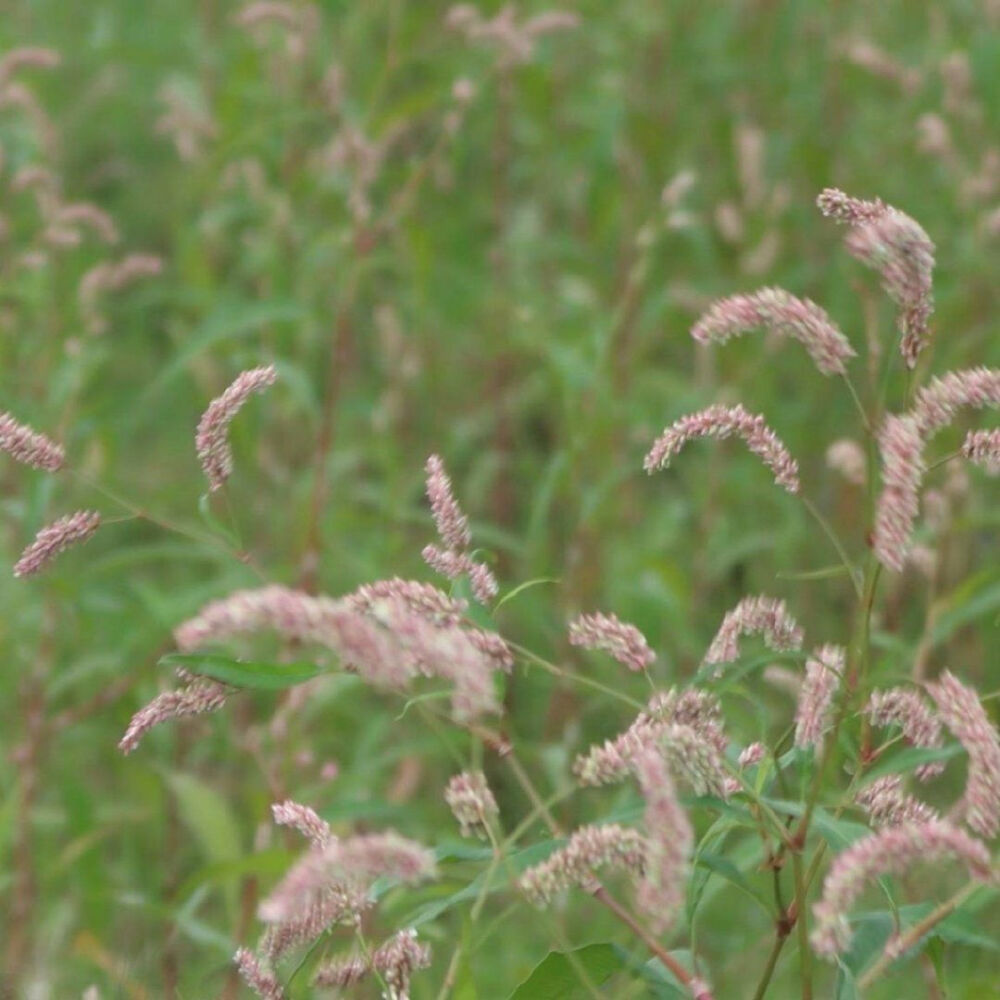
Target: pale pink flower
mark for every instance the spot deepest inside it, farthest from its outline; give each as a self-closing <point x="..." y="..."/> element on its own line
<point x="963" y="713"/>
<point x="780" y="312"/>
<point x="89" y="215"/>
<point x="939" y="401"/>
<point x="472" y="803"/>
<point x="694" y="713"/>
<point x="887" y="804"/>
<point x="904" y="707"/>
<point x="27" y="57"/>
<point x="201" y="695"/>
<point x="900" y="250"/>
<point x="212" y="438"/>
<point x="848" y="458"/>
<point x="397" y="960"/>
<point x="723" y="422"/>
<point x="824" y="672"/>
<point x="762" y="615"/>
<point x="834" y="204"/>
<point x="752" y="755"/>
<point x="315" y="829"/>
<point x="902" y="449"/>
<point x="608" y="633"/>
<point x="422" y="598"/>
<point x="588" y="849"/>
<point x="669" y="842"/>
<point x="258" y="976"/>
<point x="893" y="850"/>
<point x="27" y="446"/>
<point x="110" y="276"/>
<point x="451" y="523"/>
<point x="335" y="880"/>
<point x="341" y="973"/>
<point x="983" y="448"/>
<point x="54" y="538"/>
<point x="453" y="564"/>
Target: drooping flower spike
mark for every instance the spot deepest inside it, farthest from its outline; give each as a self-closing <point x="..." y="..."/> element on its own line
<point x="723" y="422"/>
<point x="781" y="312"/>
<point x="610" y="634"/>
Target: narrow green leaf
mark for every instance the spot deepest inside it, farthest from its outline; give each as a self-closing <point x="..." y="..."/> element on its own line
<point x="261" y="676"/>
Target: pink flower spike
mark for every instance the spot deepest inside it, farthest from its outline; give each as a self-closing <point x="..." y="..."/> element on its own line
<point x="724" y="422"/>
<point x="54" y="538"/>
<point x="27" y="446"/>
<point x="452" y="524"/>
<point x="824" y="672"/>
<point x="963" y="713"/>
<point x="754" y="615"/>
<point x="212" y="438"/>
<point x="779" y="311"/>
<point x="622" y="641"/>
<point x="315" y="829"/>
<point x="983" y="448"/>
<point x="472" y="803"/>
<point x="197" y="698"/>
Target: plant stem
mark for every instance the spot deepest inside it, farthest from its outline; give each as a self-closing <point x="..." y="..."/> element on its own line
<point x="907" y="940"/>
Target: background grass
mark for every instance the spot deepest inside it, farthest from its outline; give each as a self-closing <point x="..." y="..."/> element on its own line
<point x="519" y="301"/>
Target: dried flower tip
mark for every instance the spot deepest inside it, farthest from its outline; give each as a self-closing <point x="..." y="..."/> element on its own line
<point x="197" y="698"/>
<point x="754" y="615"/>
<point x="341" y="973"/>
<point x="54" y="538"/>
<point x="848" y="458"/>
<point x="983" y="448"/>
<point x="824" y="671"/>
<point x="669" y="841"/>
<point x="723" y="422"/>
<point x="257" y="976"/>
<point x="608" y="633"/>
<point x="887" y="804"/>
<point x="212" y="438"/>
<point x="902" y="449"/>
<point x="963" y="713"/>
<point x="893" y="850"/>
<point x="752" y="755"/>
<point x="452" y="525"/>
<point x="315" y="829"/>
<point x="905" y="708"/>
<point x="834" y="204"/>
<point x="782" y="313"/>
<point x="471" y="801"/>
<point x="590" y="848"/>
<point x="27" y="446"/>
<point x="397" y="960"/>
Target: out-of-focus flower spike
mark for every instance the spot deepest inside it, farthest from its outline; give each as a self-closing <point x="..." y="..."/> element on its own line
<point x="315" y="829"/>
<point x="824" y="672"/>
<point x="212" y="437"/>
<point x="622" y="641"/>
<point x="963" y="713"/>
<point x="472" y="803"/>
<point x="28" y="446"/>
<point x="905" y="708"/>
<point x="259" y="977"/>
<point x="54" y="538"/>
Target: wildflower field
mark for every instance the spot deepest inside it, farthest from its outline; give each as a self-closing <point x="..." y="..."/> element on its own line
<point x="500" y="501"/>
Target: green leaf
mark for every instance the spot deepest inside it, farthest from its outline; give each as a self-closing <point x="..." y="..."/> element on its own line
<point x="260" y="676"/>
<point x="208" y="817"/>
<point x="557" y="977"/>
<point x="911" y="758"/>
<point x="725" y="868"/>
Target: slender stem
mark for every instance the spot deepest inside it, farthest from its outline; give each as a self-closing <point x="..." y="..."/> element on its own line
<point x="772" y="961"/>
<point x="858" y="404"/>
<point x="575" y="678"/>
<point x="832" y="535"/>
<point x="907" y="940"/>
<point x="802" y="927"/>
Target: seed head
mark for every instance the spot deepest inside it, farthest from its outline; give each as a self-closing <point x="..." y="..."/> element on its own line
<point x="622" y="641"/>
<point x="54" y="538"/>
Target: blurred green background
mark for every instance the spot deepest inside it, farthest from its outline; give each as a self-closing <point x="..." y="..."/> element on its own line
<point x="442" y="248"/>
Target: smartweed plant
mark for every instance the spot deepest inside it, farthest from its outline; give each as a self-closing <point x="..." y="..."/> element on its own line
<point x="849" y="800"/>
